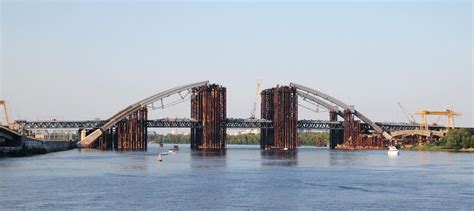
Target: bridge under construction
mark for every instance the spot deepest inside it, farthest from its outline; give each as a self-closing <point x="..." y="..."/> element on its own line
<point x="279" y="124"/>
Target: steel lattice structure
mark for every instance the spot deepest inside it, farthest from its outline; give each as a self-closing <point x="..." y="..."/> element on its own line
<point x="319" y="124"/>
<point x="231" y="123"/>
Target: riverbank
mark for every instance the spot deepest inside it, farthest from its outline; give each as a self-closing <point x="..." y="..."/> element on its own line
<point x="425" y="147"/>
<point x="13" y="144"/>
<point x="318" y="139"/>
<point x="49" y="147"/>
<point x="43" y="148"/>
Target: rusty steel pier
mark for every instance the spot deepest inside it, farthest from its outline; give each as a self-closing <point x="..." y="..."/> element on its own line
<point x="208" y="106"/>
<point x="128" y="134"/>
<point x="280" y="105"/>
<point x="356" y="137"/>
<point x="336" y="135"/>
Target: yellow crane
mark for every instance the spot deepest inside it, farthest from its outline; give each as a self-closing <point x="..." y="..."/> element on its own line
<point x="2" y="103"/>
<point x="449" y="113"/>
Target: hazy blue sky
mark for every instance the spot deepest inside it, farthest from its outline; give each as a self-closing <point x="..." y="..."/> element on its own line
<point x="87" y="59"/>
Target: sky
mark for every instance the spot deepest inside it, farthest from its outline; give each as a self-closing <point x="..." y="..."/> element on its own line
<point x="77" y="60"/>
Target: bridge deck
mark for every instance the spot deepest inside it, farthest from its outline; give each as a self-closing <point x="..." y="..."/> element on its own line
<point x="231" y="123"/>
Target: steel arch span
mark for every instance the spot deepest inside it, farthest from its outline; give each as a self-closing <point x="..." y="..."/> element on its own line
<point x="321" y="98"/>
<point x="91" y="138"/>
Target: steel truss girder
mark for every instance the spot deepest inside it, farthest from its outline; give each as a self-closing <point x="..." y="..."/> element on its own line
<point x="231" y="123"/>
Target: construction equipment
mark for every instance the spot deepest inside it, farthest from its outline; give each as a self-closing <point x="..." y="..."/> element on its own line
<point x="257" y="97"/>
<point x="2" y="103"/>
<point x="449" y="113"/>
<point x="436" y="122"/>
<point x="409" y="116"/>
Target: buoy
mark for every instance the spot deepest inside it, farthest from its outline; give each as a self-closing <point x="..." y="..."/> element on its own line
<point x="159" y="157"/>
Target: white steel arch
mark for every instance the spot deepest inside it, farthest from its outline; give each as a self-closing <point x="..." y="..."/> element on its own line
<point x="91" y="138"/>
<point x="307" y="93"/>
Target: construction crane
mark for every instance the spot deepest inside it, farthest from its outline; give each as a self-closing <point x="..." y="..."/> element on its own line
<point x="449" y="113"/>
<point x="2" y="103"/>
<point x="409" y="116"/>
<point x="257" y="97"/>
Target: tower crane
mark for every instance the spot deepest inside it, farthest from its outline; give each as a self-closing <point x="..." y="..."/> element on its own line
<point x="5" y="110"/>
<point x="410" y="117"/>
<point x="257" y="97"/>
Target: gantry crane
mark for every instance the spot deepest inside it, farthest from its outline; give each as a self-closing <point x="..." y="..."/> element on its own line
<point x="257" y="97"/>
<point x="5" y="110"/>
<point x="449" y="113"/>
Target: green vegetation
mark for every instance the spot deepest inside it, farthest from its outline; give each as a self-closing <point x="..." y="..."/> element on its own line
<point x="306" y="138"/>
<point x="169" y="139"/>
<point x="455" y="140"/>
<point x="249" y="138"/>
<point x="320" y="139"/>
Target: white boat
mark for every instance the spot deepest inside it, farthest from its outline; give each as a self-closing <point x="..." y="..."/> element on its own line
<point x="392" y="150"/>
<point x="285" y="149"/>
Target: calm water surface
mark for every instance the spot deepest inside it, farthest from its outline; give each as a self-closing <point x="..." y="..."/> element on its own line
<point x="242" y="177"/>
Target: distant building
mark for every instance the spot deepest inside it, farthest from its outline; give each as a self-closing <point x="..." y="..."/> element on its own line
<point x="241" y="132"/>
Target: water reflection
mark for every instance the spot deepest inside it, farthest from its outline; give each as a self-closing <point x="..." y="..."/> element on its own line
<point x="333" y="158"/>
<point x="345" y="158"/>
<point x="279" y="157"/>
<point x="208" y="158"/>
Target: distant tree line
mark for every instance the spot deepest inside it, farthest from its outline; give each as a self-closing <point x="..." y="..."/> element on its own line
<point x="456" y="139"/>
<point x="319" y="139"/>
<point x="169" y="139"/>
<point x="306" y="138"/>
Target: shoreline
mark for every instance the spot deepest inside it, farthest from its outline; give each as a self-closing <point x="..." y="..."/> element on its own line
<point x="14" y="144"/>
<point x="469" y="150"/>
<point x="428" y="149"/>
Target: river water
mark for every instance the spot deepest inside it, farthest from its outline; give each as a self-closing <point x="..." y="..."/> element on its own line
<point x="241" y="177"/>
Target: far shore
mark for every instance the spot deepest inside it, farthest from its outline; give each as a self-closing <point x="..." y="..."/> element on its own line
<point x="436" y="149"/>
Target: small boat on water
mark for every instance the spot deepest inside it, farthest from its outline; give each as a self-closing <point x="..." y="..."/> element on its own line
<point x="175" y="147"/>
<point x="392" y="150"/>
<point x="285" y="149"/>
<point x="173" y="150"/>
